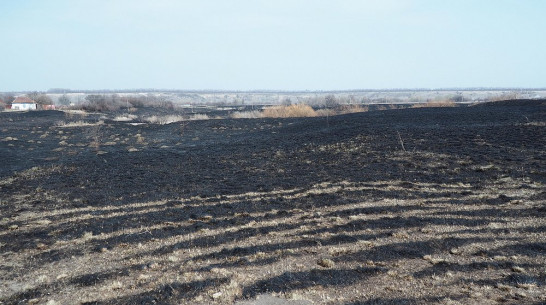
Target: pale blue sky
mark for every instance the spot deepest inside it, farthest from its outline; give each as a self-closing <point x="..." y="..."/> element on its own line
<point x="282" y="44"/>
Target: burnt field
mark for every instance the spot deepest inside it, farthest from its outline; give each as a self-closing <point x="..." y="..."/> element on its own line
<point x="407" y="206"/>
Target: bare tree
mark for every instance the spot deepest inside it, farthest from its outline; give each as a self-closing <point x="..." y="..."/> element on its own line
<point x="7" y="99"/>
<point x="330" y="101"/>
<point x="286" y="101"/>
<point x="64" y="100"/>
<point x="40" y="98"/>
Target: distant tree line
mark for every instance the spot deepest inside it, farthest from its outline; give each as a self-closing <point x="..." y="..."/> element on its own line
<point x="145" y="90"/>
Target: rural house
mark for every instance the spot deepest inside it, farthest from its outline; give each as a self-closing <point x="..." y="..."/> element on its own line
<point x="23" y="103"/>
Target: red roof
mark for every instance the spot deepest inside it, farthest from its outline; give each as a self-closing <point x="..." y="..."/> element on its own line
<point x="23" y="100"/>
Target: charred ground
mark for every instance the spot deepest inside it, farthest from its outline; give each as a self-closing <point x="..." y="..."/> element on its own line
<point x="429" y="205"/>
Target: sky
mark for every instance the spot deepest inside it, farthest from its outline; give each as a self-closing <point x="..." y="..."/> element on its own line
<point x="271" y="45"/>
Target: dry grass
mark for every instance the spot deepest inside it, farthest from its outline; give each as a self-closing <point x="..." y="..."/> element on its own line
<point x="299" y="110"/>
<point x="95" y="134"/>
<point x="163" y="120"/>
<point x="125" y="118"/>
<point x="344" y="109"/>
<point x="292" y="111"/>
<point x="433" y="104"/>
<point x="386" y="107"/>
<point x="246" y="114"/>
<point x="168" y="119"/>
<point x="199" y="116"/>
<point x="506" y="96"/>
<point x="539" y="124"/>
<point x="71" y="113"/>
<point x="204" y="262"/>
<point x="326" y="112"/>
<point x="77" y="124"/>
<point x="140" y="139"/>
<point x="354" y="109"/>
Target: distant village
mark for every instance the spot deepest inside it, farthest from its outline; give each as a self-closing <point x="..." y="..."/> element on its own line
<point x="112" y="100"/>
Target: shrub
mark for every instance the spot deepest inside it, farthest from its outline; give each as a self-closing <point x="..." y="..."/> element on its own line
<point x="326" y="112"/>
<point x="101" y="103"/>
<point x="114" y="102"/>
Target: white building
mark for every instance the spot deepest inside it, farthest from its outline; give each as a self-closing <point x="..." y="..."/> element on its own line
<point x="23" y="103"/>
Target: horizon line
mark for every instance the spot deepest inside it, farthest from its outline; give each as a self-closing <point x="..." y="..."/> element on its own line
<point x="142" y="90"/>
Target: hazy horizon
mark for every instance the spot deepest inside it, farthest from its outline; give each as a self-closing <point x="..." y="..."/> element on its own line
<point x="357" y="90"/>
<point x="245" y="45"/>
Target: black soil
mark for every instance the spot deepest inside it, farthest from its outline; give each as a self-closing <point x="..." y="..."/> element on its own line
<point x="410" y="156"/>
